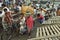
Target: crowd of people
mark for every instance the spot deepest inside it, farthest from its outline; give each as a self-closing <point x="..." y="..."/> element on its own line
<point x="24" y="24"/>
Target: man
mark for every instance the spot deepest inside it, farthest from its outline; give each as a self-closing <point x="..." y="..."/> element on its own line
<point x="22" y="24"/>
<point x="29" y="24"/>
<point x="40" y="18"/>
<point x="7" y="20"/>
<point x="3" y="22"/>
<point x="4" y="6"/>
<point x="17" y="7"/>
<point x="7" y="2"/>
<point x="35" y="11"/>
<point x="37" y="5"/>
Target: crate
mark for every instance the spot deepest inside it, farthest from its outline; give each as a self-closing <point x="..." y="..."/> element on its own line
<point x="50" y="32"/>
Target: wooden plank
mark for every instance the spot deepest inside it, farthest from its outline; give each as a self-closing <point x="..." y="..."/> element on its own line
<point x="56" y="29"/>
<point x="41" y="32"/>
<point x="47" y="33"/>
<point x="44" y="33"/>
<point x="53" y="29"/>
<point x="37" y="34"/>
<point x="50" y="30"/>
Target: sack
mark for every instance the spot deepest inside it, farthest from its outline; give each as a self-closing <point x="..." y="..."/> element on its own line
<point x="23" y="29"/>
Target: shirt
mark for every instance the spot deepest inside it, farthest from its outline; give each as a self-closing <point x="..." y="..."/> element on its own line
<point x="22" y="21"/>
<point x="29" y="22"/>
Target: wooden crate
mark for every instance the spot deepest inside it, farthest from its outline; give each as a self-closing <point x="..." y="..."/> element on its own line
<point x="50" y="32"/>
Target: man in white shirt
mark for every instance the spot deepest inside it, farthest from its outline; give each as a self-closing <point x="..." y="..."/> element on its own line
<point x="4" y="10"/>
<point x="22" y="24"/>
<point x="3" y="22"/>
